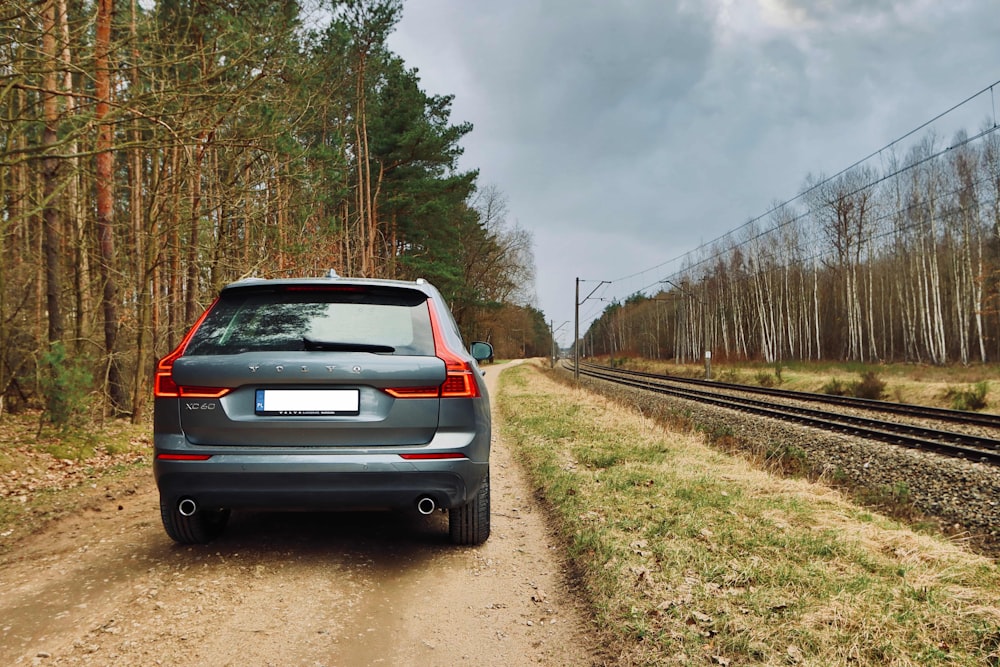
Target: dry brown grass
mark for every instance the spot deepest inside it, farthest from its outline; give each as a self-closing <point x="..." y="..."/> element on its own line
<point x="691" y="556"/>
<point x="905" y="383"/>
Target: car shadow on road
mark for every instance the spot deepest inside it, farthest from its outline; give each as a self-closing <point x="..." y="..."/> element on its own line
<point x="391" y="548"/>
<point x="337" y="529"/>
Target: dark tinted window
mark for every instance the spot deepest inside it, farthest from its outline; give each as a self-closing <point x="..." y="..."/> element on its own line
<point x="304" y="318"/>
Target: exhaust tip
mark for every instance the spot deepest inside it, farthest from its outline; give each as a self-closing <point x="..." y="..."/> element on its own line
<point x="426" y="505"/>
<point x="187" y="506"/>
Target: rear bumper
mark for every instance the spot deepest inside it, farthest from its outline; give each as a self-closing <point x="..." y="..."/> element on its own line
<point x="318" y="482"/>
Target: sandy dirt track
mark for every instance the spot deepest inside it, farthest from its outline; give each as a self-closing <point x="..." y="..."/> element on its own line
<point x="108" y="587"/>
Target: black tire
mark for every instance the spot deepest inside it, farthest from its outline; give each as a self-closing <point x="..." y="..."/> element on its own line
<point x="200" y="528"/>
<point x="470" y="523"/>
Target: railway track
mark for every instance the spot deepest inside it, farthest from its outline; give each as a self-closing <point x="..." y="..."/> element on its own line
<point x="971" y="447"/>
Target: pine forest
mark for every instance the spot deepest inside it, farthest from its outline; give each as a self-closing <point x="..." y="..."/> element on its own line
<point x="152" y="152"/>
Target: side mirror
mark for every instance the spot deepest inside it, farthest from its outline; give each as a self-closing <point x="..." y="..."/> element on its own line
<point x="481" y="351"/>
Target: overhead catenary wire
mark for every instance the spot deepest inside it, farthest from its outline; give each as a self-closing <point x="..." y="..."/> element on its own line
<point x="611" y="290"/>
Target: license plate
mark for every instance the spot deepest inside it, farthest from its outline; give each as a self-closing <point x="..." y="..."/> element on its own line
<point x="307" y="402"/>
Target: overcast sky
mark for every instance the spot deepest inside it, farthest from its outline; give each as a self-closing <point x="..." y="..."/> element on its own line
<point x="626" y="133"/>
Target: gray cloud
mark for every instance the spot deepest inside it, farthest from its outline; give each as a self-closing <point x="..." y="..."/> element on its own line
<point x="627" y="133"/>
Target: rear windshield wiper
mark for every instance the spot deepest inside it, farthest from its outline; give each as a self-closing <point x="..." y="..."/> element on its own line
<point x="314" y="345"/>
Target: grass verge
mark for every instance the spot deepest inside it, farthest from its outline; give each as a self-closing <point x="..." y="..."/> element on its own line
<point x="691" y="556"/>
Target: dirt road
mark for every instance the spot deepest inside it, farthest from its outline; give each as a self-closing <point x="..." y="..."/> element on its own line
<point x="107" y="587"/>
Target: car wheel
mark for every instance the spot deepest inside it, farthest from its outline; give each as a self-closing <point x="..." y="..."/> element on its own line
<point x="470" y="523"/>
<point x="199" y="528"/>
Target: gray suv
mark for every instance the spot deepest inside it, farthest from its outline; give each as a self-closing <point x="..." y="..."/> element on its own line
<point x="322" y="393"/>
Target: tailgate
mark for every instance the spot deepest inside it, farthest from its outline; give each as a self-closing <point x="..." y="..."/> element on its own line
<point x="309" y="399"/>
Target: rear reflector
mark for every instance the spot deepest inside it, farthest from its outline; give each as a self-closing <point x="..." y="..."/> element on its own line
<point x="183" y="457"/>
<point x="432" y="457"/>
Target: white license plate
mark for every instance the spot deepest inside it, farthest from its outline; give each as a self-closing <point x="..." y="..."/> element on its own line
<point x="305" y="402"/>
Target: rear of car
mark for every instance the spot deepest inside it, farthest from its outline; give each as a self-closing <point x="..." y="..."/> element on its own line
<point x="322" y="393"/>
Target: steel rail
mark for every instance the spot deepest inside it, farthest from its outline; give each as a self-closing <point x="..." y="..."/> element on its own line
<point x="956" y="445"/>
<point x="921" y="411"/>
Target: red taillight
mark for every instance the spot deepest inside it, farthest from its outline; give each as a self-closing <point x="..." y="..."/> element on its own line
<point x="413" y="392"/>
<point x="459" y="380"/>
<point x="183" y="457"/>
<point x="460" y="383"/>
<point x="432" y="457"/>
<point x="204" y="392"/>
<point x="164" y="385"/>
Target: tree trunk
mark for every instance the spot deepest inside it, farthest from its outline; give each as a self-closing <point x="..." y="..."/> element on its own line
<point x="75" y="208"/>
<point x="193" y="283"/>
<point x="142" y="275"/>
<point x="104" y="191"/>
<point x="53" y="233"/>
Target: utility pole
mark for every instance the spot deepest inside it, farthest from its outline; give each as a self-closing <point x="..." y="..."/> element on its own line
<point x="576" y="338"/>
<point x="576" y="334"/>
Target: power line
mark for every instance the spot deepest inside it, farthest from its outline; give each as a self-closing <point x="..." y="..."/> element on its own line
<point x="788" y="202"/>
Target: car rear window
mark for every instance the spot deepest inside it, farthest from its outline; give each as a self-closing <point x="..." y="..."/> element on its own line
<point x="390" y="320"/>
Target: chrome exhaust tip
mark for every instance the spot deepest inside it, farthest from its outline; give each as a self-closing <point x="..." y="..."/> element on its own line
<point x="426" y="505"/>
<point x="187" y="506"/>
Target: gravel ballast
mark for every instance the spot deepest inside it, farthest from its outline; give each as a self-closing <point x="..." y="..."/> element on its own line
<point x="963" y="496"/>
